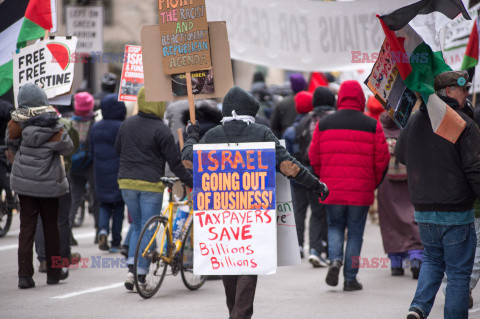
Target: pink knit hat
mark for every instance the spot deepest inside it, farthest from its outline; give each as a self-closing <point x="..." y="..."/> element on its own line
<point x="83" y="103"/>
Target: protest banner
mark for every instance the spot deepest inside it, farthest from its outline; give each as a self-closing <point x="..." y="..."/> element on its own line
<point x="287" y="240"/>
<point x="158" y="85"/>
<point x="234" y="209"/>
<point x="303" y="35"/>
<point x="184" y="34"/>
<point x="388" y="87"/>
<point x="86" y="23"/>
<point x="132" y="74"/>
<point x="46" y="63"/>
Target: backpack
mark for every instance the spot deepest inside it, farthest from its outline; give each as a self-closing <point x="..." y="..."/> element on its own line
<point x="82" y="158"/>
<point x="396" y="172"/>
<point x="303" y="134"/>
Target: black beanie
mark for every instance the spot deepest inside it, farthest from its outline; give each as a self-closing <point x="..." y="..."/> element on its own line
<point x="322" y="96"/>
<point x="240" y="101"/>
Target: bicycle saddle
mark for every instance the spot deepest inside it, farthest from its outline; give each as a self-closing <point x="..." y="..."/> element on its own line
<point x="169" y="181"/>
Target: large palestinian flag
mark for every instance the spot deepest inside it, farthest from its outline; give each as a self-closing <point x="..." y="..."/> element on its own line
<point x="20" y="21"/>
<point x="413" y="35"/>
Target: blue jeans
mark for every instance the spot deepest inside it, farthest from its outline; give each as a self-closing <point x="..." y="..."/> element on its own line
<point x="116" y="212"/>
<point x="352" y="218"/>
<point x="451" y="249"/>
<point x="141" y="206"/>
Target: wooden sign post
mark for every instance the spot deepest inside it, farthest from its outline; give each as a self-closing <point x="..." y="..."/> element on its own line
<point x="185" y="40"/>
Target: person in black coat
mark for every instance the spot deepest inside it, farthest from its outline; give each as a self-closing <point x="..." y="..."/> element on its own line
<point x="239" y="110"/>
<point x="5" y="109"/>
<point x="106" y="164"/>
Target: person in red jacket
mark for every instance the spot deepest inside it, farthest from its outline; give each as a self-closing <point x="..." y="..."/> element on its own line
<point x="350" y="154"/>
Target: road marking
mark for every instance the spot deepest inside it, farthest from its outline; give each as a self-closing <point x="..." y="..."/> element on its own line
<point x="73" y="294"/>
<point x="80" y="236"/>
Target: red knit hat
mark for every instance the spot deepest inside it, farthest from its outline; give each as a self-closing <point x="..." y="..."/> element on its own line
<point x="303" y="102"/>
<point x="83" y="103"/>
<point x="375" y="108"/>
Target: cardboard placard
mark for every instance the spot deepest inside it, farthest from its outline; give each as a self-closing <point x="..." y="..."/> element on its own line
<point x="47" y="63"/>
<point x="132" y="74"/>
<point x="158" y="86"/>
<point x="389" y="88"/>
<point x="234" y="209"/>
<point x="184" y="35"/>
<point x="86" y="23"/>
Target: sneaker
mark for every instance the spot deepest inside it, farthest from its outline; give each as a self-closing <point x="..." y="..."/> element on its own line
<point x="64" y="273"/>
<point x="53" y="280"/>
<point x="352" y="285"/>
<point x="129" y="281"/>
<point x="416" y="265"/>
<point x="415" y="313"/>
<point x="75" y="258"/>
<point x="26" y="282"/>
<point x="302" y="255"/>
<point x="124" y="251"/>
<point x="398" y="271"/>
<point x="316" y="260"/>
<point x="103" y="241"/>
<point x="115" y="249"/>
<point x="333" y="270"/>
<point x="42" y="267"/>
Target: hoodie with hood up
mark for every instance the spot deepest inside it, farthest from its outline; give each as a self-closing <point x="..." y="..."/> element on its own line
<point x="144" y="144"/>
<point x="349" y="151"/>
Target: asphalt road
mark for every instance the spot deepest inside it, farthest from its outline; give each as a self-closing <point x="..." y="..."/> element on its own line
<point x="294" y="292"/>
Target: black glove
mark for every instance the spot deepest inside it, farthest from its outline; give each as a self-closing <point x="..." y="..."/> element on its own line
<point x="321" y="190"/>
<point x="193" y="130"/>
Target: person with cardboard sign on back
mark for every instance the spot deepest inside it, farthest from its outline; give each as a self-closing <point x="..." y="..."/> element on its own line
<point x="238" y="126"/>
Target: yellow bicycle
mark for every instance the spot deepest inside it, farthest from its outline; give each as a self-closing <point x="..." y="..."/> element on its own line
<point x="156" y="248"/>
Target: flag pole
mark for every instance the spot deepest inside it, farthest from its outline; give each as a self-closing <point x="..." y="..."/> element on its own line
<point x="191" y="98"/>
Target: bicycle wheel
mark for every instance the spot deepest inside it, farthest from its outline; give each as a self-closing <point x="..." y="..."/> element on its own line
<point x="5" y="216"/>
<point x="149" y="271"/>
<point x="191" y="281"/>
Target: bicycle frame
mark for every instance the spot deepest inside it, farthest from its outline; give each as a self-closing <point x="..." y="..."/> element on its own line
<point x="168" y="231"/>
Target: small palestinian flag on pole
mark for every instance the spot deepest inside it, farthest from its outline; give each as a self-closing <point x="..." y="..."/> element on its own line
<point x="471" y="55"/>
<point x="20" y="21"/>
<point x="413" y="35"/>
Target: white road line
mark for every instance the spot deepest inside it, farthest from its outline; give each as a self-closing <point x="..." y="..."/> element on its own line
<point x="85" y="235"/>
<point x="73" y="294"/>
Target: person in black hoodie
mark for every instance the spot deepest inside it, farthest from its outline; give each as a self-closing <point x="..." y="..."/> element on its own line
<point x="443" y="181"/>
<point x="239" y="110"/>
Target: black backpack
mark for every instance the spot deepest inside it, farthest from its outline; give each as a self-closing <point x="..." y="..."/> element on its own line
<point x="304" y="132"/>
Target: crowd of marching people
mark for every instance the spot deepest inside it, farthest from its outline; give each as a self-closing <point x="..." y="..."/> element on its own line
<point x="342" y="154"/>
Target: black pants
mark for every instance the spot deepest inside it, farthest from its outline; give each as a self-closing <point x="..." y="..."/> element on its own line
<point x="78" y="182"/>
<point x="30" y="208"/>
<point x="64" y="227"/>
<point x="318" y="230"/>
<point x="240" y="293"/>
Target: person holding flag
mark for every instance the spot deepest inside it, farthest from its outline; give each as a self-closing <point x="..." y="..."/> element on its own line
<point x="440" y="147"/>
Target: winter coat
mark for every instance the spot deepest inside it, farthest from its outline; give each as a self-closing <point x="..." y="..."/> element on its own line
<point x="283" y="116"/>
<point x="37" y="170"/>
<point x="395" y="210"/>
<point x="349" y="151"/>
<point x="240" y="132"/>
<point x="106" y="160"/>
<point x="67" y="159"/>
<point x="145" y="143"/>
<point x="5" y="109"/>
<point x="206" y="113"/>
<point x="442" y="176"/>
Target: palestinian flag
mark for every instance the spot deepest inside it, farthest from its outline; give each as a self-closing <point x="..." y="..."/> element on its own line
<point x="20" y="21"/>
<point x="413" y="35"/>
<point x="471" y="55"/>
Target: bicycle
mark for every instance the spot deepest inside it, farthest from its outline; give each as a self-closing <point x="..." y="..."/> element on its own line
<point x="161" y="251"/>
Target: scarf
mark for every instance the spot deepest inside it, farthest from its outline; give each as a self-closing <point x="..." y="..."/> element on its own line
<point x="246" y="118"/>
